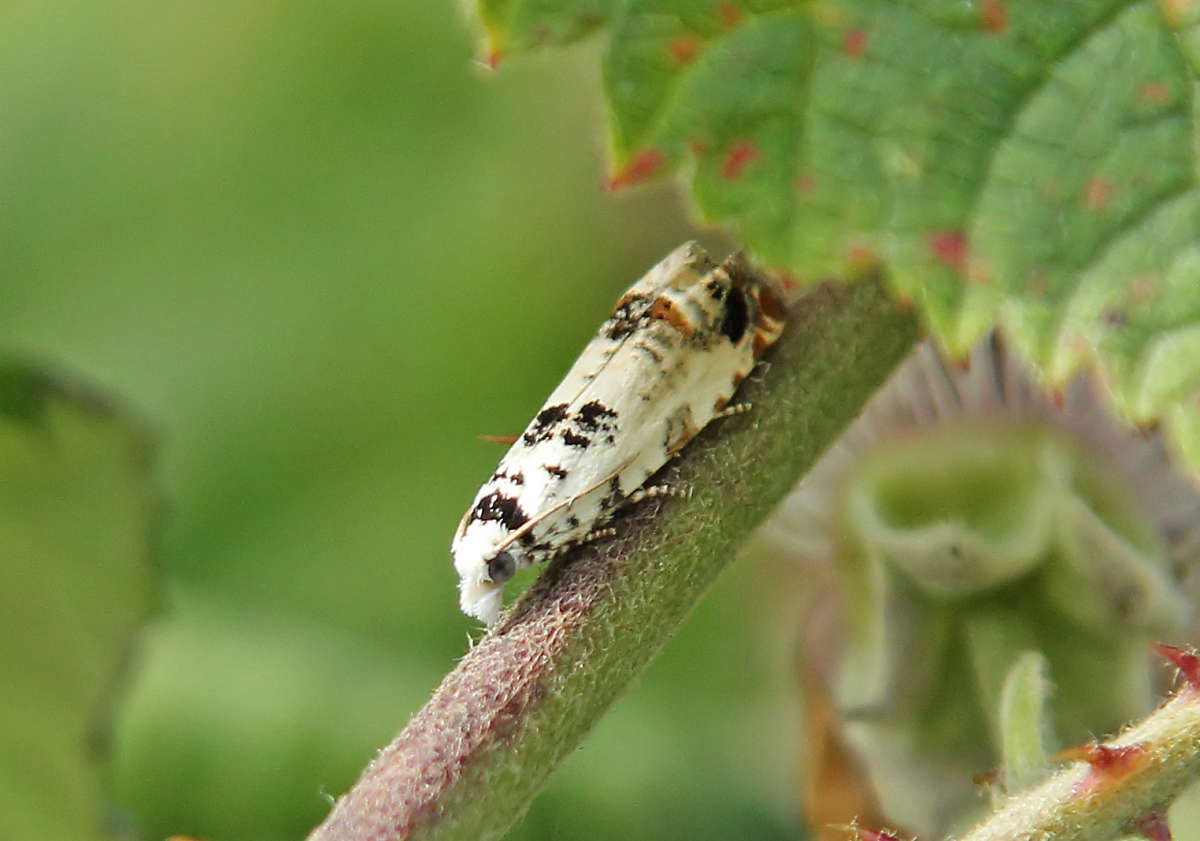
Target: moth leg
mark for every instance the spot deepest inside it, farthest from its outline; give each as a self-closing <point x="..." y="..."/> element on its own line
<point x="652" y="491"/>
<point x="507" y="440"/>
<point x="598" y="534"/>
<point x="733" y="409"/>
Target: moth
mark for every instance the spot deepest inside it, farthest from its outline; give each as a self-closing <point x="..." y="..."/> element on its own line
<point x="664" y="364"/>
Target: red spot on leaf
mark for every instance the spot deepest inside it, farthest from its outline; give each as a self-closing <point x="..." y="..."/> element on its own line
<point x="738" y="158"/>
<point x="1109" y="764"/>
<point x="950" y="248"/>
<point x="683" y="48"/>
<point x="805" y="183"/>
<point x="854" y="42"/>
<point x="1186" y="661"/>
<point x="1153" y="826"/>
<point x="1097" y="193"/>
<point x="1155" y="93"/>
<point x="639" y="167"/>
<point x="994" y="15"/>
<point x="493" y="58"/>
<point x="730" y="14"/>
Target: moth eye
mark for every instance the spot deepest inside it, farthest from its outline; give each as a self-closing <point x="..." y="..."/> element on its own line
<point x="502" y="567"/>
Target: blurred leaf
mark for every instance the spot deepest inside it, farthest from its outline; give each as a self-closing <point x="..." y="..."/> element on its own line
<point x="1015" y="162"/>
<point x="198" y="690"/>
<point x="1023" y="722"/>
<point x="77" y="514"/>
<point x="24" y="392"/>
<point x="967" y="548"/>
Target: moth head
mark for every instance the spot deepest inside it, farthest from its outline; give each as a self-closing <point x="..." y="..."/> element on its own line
<point x="482" y="571"/>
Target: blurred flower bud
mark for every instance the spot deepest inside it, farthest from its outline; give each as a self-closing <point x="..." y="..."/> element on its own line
<point x="971" y="521"/>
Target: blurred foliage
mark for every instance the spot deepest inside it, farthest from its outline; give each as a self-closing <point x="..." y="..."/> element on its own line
<point x="966" y="548"/>
<point x="321" y="250"/>
<point x="78" y="510"/>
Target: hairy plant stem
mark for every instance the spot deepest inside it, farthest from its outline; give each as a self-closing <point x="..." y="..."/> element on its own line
<point x="1128" y="780"/>
<point x="470" y="762"/>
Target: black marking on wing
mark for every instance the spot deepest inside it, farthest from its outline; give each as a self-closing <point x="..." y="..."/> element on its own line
<point x="617" y="330"/>
<point x="516" y="477"/>
<point x="573" y="440"/>
<point x="627" y="317"/>
<point x="716" y="289"/>
<point x="737" y="317"/>
<point x="504" y="509"/>
<point x="594" y="417"/>
<point x="555" y="471"/>
<point x="542" y="429"/>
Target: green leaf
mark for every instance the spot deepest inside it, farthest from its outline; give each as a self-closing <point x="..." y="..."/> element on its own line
<point x="514" y="25"/>
<point x="1015" y="162"/>
<point x="77" y="510"/>
<point x="1023" y="723"/>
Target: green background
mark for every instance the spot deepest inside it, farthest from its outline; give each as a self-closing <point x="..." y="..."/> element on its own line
<point x="318" y="249"/>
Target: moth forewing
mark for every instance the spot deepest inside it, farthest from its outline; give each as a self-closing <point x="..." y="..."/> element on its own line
<point x="674" y="350"/>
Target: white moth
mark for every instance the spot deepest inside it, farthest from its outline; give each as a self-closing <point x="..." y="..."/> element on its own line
<point x="667" y="361"/>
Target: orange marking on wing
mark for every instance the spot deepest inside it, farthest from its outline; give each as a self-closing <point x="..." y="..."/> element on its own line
<point x="665" y="310"/>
